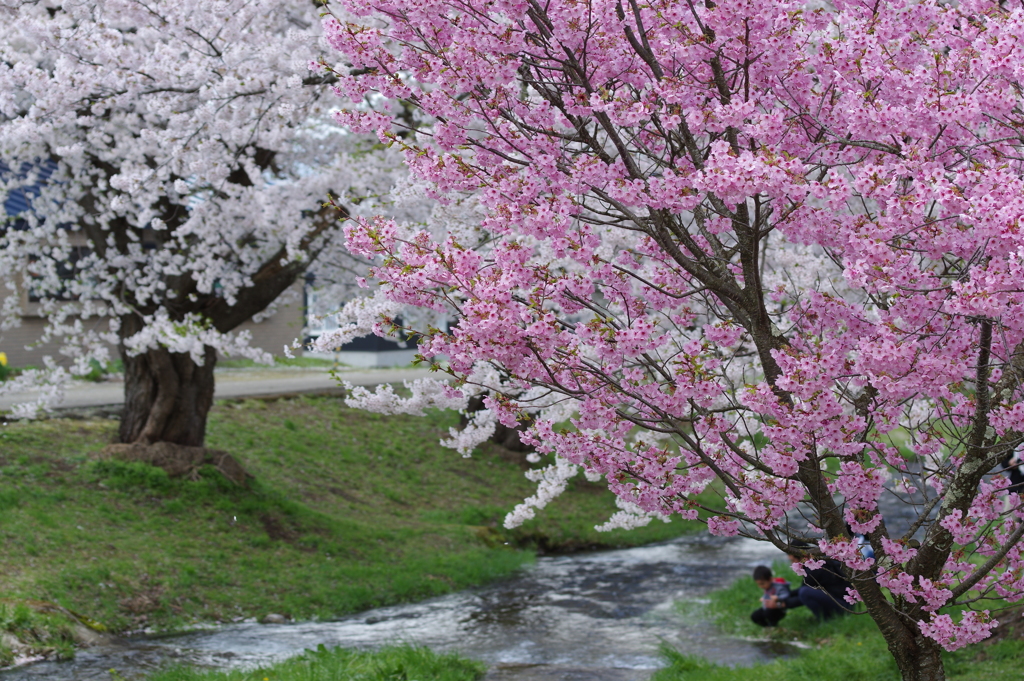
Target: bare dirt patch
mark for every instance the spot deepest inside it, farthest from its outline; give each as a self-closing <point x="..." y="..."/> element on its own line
<point x="277" y="529"/>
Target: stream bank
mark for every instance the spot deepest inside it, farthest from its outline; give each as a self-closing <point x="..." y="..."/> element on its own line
<point x="349" y="511"/>
<point x="597" y="616"/>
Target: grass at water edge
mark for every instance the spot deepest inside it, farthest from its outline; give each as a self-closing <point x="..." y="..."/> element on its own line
<point x="849" y="648"/>
<point x="393" y="663"/>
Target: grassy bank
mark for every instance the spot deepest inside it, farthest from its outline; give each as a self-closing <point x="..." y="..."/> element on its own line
<point x="338" y="664"/>
<point x="847" y="649"/>
<point x="347" y="511"/>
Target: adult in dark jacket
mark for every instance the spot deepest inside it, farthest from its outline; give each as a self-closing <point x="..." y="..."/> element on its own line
<point x="1012" y="466"/>
<point x="824" y="590"/>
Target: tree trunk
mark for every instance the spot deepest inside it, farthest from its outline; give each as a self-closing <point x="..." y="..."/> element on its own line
<point x="918" y="658"/>
<point x="167" y="397"/>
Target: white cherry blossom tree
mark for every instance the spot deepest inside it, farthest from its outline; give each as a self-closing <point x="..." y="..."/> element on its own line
<point x="177" y="158"/>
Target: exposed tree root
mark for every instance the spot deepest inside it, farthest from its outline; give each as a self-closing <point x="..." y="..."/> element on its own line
<point x="179" y="460"/>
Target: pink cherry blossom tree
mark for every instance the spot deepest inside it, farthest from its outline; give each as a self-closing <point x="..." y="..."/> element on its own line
<point x="177" y="157"/>
<point x="771" y="249"/>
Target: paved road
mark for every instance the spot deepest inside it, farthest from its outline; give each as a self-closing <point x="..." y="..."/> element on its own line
<point x="234" y="383"/>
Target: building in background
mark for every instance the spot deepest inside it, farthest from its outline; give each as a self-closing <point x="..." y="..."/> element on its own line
<point x="366" y="352"/>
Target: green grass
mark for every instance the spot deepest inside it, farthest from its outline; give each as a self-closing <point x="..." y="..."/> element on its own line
<point x="348" y="510"/>
<point x="397" y="663"/>
<point x="849" y="648"/>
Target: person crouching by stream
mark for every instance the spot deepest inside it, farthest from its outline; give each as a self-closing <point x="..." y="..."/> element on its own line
<point x="777" y="598"/>
<point x="824" y="589"/>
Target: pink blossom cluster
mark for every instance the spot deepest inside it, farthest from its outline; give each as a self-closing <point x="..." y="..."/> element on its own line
<point x="973" y="627"/>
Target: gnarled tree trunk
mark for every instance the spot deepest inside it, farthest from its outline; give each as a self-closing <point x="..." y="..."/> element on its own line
<point x="167" y="397"/>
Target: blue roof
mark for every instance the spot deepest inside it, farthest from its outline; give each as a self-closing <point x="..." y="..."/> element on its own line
<point x="19" y="201"/>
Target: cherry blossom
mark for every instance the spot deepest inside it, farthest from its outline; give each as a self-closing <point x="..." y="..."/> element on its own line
<point x="765" y="252"/>
<point x="178" y="159"/>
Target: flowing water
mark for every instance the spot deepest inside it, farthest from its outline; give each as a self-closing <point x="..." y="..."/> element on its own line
<point x="597" y="616"/>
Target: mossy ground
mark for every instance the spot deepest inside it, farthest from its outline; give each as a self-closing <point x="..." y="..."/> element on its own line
<point x="348" y="510"/>
<point x="849" y="648"/>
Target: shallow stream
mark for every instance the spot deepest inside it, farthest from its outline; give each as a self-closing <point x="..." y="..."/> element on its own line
<point x="597" y="616"/>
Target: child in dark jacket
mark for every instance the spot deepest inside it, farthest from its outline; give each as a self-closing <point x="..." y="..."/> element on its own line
<point x="777" y="597"/>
